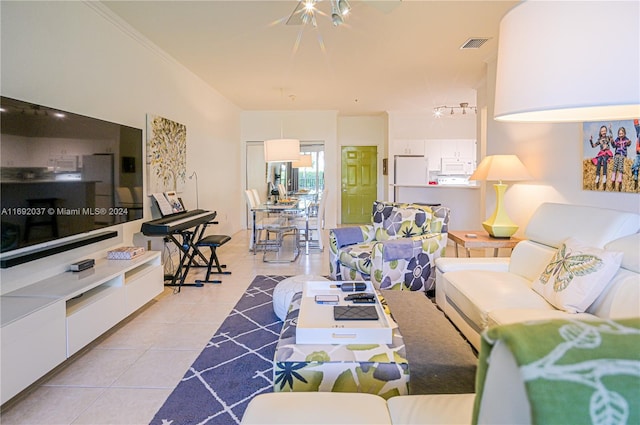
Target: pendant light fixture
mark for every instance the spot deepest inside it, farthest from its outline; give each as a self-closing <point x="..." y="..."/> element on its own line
<point x="281" y="150"/>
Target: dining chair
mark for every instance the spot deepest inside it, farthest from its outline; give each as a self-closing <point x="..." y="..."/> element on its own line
<point x="257" y="221"/>
<point x="313" y="223"/>
<point x="256" y="196"/>
<point x="285" y="226"/>
<point x="263" y="222"/>
<point x="282" y="191"/>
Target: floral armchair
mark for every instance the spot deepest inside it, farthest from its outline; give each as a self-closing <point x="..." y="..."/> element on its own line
<point x="397" y="251"/>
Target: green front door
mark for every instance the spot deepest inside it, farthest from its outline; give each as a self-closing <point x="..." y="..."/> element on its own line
<point x="359" y="183"/>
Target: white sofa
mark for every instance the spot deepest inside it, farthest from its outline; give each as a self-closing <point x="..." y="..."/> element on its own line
<point x="504" y="396"/>
<point x="476" y="293"/>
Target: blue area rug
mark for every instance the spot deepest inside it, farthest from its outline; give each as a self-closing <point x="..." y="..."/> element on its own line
<point x="235" y="366"/>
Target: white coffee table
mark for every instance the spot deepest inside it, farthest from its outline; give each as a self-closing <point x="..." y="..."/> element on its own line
<point x="343" y="366"/>
<point x="316" y="324"/>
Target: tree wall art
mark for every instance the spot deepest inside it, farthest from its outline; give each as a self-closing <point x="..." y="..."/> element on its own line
<point x="166" y="155"/>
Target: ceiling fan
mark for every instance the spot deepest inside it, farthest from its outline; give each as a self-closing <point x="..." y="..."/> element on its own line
<point x="306" y="10"/>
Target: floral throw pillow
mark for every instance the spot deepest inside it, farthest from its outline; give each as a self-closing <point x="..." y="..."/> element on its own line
<point x="577" y="275"/>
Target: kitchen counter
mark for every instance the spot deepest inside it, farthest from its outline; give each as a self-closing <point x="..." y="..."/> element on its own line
<point x="462" y="200"/>
<point x="41" y="181"/>
<point x="439" y="186"/>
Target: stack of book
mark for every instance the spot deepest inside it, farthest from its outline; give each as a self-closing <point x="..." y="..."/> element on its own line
<point x="125" y="253"/>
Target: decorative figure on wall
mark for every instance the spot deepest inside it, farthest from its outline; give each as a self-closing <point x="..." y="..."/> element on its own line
<point x="166" y="155"/>
<point x="609" y="156"/>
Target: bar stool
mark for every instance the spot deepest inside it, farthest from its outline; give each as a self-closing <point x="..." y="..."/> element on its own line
<point x="47" y="220"/>
<point x="212" y="242"/>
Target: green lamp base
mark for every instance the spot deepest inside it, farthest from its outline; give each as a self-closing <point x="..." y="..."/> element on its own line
<point x="499" y="225"/>
<point x="500" y="230"/>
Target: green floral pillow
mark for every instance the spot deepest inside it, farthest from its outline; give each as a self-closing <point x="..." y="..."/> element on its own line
<point x="577" y="275"/>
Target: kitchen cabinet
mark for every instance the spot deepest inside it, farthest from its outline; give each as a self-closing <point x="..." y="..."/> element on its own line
<point x="433" y="151"/>
<point x="458" y="148"/>
<point x="408" y="147"/>
<point x="450" y="150"/>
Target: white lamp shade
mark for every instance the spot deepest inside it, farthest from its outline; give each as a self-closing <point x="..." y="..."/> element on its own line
<point x="281" y="150"/>
<point x="304" y="161"/>
<point x="501" y="168"/>
<point x="569" y="61"/>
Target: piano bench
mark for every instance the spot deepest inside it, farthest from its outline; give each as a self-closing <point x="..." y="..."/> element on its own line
<point x="213" y="242"/>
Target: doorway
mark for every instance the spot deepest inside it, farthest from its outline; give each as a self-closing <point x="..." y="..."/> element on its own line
<point x="265" y="176"/>
<point x="359" y="183"/>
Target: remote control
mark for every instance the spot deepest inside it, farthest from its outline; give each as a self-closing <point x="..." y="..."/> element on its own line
<point x="359" y="296"/>
<point x="364" y="300"/>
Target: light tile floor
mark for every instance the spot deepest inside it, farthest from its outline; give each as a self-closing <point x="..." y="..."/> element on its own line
<point x="126" y="375"/>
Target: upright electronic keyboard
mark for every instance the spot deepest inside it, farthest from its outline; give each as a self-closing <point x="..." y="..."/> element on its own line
<point x="187" y="225"/>
<point x="176" y="223"/>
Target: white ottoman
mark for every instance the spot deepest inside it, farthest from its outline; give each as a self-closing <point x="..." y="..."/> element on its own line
<point x="286" y="289"/>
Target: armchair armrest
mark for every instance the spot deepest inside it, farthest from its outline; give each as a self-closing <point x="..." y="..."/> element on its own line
<point x="448" y="264"/>
<point x="407" y="248"/>
<point x="407" y="263"/>
<point x="344" y="236"/>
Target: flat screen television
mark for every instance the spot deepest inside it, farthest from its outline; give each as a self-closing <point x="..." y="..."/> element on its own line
<point x="64" y="174"/>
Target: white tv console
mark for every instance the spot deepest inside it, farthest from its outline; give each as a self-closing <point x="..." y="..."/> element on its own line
<point x="48" y="321"/>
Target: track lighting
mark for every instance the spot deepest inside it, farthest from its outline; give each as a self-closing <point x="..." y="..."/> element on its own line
<point x="464" y="106"/>
<point x="306" y="11"/>
<point x="336" y="16"/>
<point x="344" y="7"/>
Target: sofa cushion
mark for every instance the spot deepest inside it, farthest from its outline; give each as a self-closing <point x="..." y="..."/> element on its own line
<point x="621" y="298"/>
<point x="432" y="409"/>
<point x="313" y="407"/>
<point x="508" y="316"/>
<point x="576" y="275"/>
<point x="529" y="259"/>
<point x="475" y="293"/>
<point x="552" y="224"/>
<point x="629" y="246"/>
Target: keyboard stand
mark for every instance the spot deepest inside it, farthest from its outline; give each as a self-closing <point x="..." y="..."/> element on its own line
<point x="190" y="227"/>
<point x="188" y="251"/>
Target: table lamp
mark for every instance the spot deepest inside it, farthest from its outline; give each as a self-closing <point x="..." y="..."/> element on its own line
<point x="500" y="168"/>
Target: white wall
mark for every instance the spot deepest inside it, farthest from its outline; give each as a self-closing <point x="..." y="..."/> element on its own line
<point x="364" y="131"/>
<point x="76" y="57"/>
<point x="553" y="155"/>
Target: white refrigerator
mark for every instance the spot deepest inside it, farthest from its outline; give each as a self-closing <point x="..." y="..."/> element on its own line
<point x="100" y="168"/>
<point x="411" y="170"/>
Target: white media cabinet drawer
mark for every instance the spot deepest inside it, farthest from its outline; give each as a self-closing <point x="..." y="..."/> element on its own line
<point x="31" y="347"/>
<point x="92" y="314"/>
<point x="142" y="282"/>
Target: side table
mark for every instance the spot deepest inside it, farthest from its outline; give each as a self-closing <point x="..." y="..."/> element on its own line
<point x="481" y="240"/>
